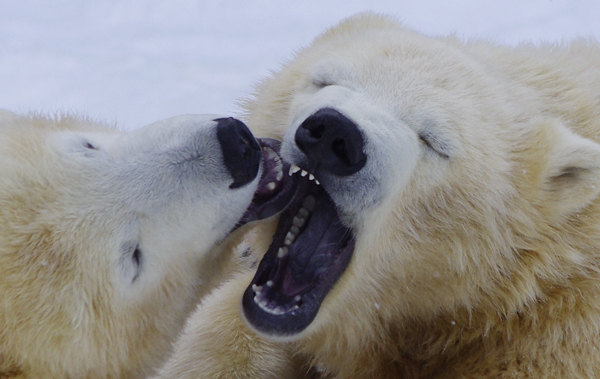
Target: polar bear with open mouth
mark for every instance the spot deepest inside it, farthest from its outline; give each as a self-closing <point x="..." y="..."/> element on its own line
<point x="445" y="222"/>
<point x="107" y="239"/>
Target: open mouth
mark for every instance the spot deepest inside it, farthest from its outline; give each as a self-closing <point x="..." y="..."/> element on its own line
<point x="310" y="250"/>
<point x="275" y="190"/>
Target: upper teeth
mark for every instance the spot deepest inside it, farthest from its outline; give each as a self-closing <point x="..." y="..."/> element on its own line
<point x="294" y="169"/>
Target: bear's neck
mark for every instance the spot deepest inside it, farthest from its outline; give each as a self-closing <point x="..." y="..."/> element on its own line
<point x="489" y="341"/>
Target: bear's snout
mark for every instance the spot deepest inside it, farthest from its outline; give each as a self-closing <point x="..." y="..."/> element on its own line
<point x="241" y="151"/>
<point x="332" y="142"/>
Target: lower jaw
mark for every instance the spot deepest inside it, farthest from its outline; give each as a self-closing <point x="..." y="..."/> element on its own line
<point x="285" y="319"/>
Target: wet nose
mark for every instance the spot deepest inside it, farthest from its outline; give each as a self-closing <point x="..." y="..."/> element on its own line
<point x="332" y="142"/>
<point x="241" y="151"/>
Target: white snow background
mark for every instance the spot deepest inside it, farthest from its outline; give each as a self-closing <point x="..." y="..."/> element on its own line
<point x="133" y="62"/>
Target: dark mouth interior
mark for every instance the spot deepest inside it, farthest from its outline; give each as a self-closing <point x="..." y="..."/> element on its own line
<point x="310" y="250"/>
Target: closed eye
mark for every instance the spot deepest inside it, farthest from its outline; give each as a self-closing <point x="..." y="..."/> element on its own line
<point x="137" y="256"/>
<point x="319" y="83"/>
<point x="433" y="144"/>
<point x="132" y="260"/>
<point x="88" y="145"/>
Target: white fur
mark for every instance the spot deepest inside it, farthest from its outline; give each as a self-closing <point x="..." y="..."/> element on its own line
<point x="476" y="216"/>
<point x="77" y="199"/>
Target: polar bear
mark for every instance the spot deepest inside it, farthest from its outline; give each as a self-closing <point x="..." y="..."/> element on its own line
<point x="106" y="238"/>
<point x="446" y="222"/>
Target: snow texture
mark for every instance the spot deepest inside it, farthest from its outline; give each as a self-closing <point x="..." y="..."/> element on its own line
<point x="134" y="62"/>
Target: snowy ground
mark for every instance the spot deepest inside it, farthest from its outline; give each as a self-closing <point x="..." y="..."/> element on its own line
<point x="133" y="62"/>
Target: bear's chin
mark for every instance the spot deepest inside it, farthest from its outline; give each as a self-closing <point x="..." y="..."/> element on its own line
<point x="311" y="249"/>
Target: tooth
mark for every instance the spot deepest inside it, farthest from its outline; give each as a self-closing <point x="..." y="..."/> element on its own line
<point x="271" y="186"/>
<point x="291" y="171"/>
<point x="303" y="173"/>
<point x="256" y="289"/>
<point x="263" y="304"/>
<point x="311" y="177"/>
<point x="256" y="300"/>
<point x="294" y="169"/>
<point x="298" y="298"/>
<point x="279" y="176"/>
<point x="289" y="238"/>
<point x="298" y="221"/>
<point x="269" y="283"/>
<point x="317" y="181"/>
<point x="309" y="203"/>
<point x="303" y="212"/>
<point x="295" y="230"/>
<point x="282" y="252"/>
<point x="294" y="308"/>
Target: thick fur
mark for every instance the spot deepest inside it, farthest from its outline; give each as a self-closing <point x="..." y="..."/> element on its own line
<point x="477" y="215"/>
<point x="106" y="241"/>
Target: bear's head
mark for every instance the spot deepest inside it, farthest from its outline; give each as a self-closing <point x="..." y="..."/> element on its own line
<point x="107" y="239"/>
<point x="428" y="181"/>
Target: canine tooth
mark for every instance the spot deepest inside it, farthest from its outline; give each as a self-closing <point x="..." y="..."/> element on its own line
<point x="294" y="169"/>
<point x="256" y="289"/>
<point x="311" y="177"/>
<point x="303" y="173"/>
<point x="269" y="283"/>
<point x="279" y="176"/>
<point x="309" y="203"/>
<point x="303" y="212"/>
<point x="271" y="186"/>
<point x="282" y="252"/>
<point x="291" y="171"/>
<point x="298" y="298"/>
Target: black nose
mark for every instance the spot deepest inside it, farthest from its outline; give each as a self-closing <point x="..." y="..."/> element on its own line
<point x="241" y="152"/>
<point x="332" y="142"/>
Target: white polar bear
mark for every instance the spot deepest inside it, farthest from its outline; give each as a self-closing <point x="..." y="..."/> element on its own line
<point x="107" y="238"/>
<point x="454" y="231"/>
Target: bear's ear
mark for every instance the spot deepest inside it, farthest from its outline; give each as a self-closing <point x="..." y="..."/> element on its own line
<point x="570" y="177"/>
